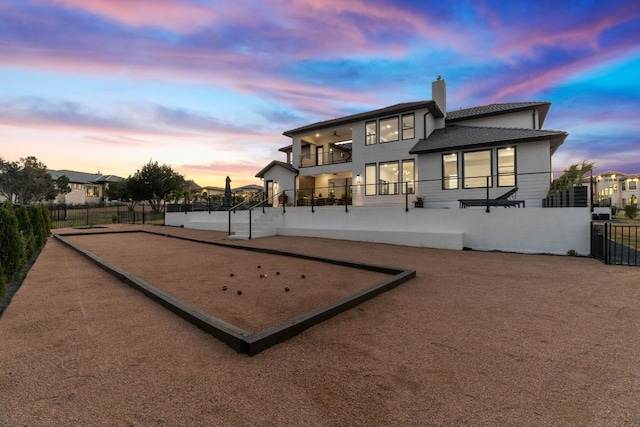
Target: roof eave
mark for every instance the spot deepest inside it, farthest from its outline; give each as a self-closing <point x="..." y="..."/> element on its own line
<point x="382" y="112"/>
<point x="556" y="142"/>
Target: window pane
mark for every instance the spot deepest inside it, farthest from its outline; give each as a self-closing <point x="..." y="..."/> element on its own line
<point x="370" y="180"/>
<point x="632" y="185"/>
<point x="506" y="167"/>
<point x="389" y="130"/>
<point x="450" y="171"/>
<point x="408" y="176"/>
<point x="408" y="128"/>
<point x="477" y="167"/>
<point x="372" y="133"/>
<point x="388" y="178"/>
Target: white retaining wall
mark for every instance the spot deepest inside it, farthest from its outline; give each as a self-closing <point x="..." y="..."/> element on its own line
<point x="529" y="230"/>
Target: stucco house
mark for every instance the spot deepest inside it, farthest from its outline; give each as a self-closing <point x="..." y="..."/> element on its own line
<point x="616" y="188"/>
<point x="86" y="188"/>
<point x="418" y="149"/>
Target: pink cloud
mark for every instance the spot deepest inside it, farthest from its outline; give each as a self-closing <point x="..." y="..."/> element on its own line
<point x="525" y="42"/>
<point x="181" y="16"/>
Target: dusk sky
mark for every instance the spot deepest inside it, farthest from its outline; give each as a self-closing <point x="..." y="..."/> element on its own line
<point x="209" y="86"/>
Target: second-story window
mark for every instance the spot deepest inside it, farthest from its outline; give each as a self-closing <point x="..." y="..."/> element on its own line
<point x="408" y="127"/>
<point x="389" y="130"/>
<point x="372" y="133"/>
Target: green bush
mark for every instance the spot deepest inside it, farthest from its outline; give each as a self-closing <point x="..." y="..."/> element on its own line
<point x="572" y="252"/>
<point x="39" y="227"/>
<point x="26" y="228"/>
<point x="614" y="210"/>
<point x="630" y="211"/>
<point x="13" y="254"/>
<point x="46" y="218"/>
<point x="3" y="283"/>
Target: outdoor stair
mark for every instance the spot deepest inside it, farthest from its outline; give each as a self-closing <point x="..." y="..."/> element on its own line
<point x="262" y="225"/>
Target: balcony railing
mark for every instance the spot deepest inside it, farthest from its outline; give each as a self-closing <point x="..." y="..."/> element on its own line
<point x="330" y="158"/>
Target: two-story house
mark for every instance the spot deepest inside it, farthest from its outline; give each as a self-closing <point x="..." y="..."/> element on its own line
<point x="418" y="149"/>
<point x="616" y="188"/>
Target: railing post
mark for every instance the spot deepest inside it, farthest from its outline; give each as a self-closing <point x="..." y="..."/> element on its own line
<point x="313" y="196"/>
<point x="606" y="243"/>
<point x="250" y="223"/>
<point x="406" y="196"/>
<point x="488" y="210"/>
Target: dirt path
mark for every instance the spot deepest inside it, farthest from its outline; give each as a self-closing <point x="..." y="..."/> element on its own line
<point x="476" y="339"/>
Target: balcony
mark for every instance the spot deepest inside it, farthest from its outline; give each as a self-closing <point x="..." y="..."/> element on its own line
<point x="331" y="158"/>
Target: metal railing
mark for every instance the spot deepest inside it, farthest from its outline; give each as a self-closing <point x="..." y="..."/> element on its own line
<point x="330" y="158"/>
<point x="64" y="216"/>
<point x="616" y="243"/>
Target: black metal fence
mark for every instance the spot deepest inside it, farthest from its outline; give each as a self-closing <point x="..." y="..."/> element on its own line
<point x="615" y="243"/>
<point x="63" y="216"/>
<point x="575" y="197"/>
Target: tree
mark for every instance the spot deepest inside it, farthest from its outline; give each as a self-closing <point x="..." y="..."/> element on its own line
<point x="62" y="185"/>
<point x="26" y="181"/>
<point x="39" y="228"/>
<point x="3" y="283"/>
<point x="154" y="183"/>
<point x="12" y="245"/>
<point x="571" y="177"/>
<point x="26" y="228"/>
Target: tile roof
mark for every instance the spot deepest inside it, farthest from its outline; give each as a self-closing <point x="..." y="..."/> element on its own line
<point x="82" y="177"/>
<point x="393" y="109"/>
<point x="457" y="136"/>
<point x="493" y="109"/>
<point x="276" y="163"/>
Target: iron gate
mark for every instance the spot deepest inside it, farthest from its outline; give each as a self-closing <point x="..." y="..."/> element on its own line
<point x="615" y="243"/>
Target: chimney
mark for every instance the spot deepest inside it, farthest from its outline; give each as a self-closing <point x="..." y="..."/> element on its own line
<point x="439" y="94"/>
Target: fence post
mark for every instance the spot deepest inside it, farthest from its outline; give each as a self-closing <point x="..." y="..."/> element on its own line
<point x="143" y="219"/>
<point x="488" y="178"/>
<point x="606" y="243"/>
<point x="406" y="196"/>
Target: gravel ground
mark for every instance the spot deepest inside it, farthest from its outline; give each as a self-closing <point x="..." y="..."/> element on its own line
<point x="475" y="339"/>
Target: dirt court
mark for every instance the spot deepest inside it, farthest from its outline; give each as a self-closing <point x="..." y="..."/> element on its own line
<point x="475" y="339"/>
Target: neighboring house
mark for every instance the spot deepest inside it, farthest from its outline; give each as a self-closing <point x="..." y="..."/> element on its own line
<point x="418" y="149"/>
<point x="86" y="188"/>
<point x="616" y="188"/>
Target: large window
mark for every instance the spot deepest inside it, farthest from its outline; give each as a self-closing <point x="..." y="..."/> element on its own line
<point x="408" y="126"/>
<point x="477" y="169"/>
<point x="370" y="179"/>
<point x="506" y="167"/>
<point x="388" y="178"/>
<point x="632" y="185"/>
<point x="450" y="171"/>
<point x="408" y="176"/>
<point x="92" y="191"/>
<point x="372" y="133"/>
<point x="389" y="130"/>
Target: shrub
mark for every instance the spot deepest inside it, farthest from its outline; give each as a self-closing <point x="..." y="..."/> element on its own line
<point x="39" y="228"/>
<point x="46" y="219"/>
<point x="3" y="283"/>
<point x="26" y="228"/>
<point x="614" y="210"/>
<point x="630" y="211"/>
<point x="13" y="255"/>
<point x="572" y="252"/>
